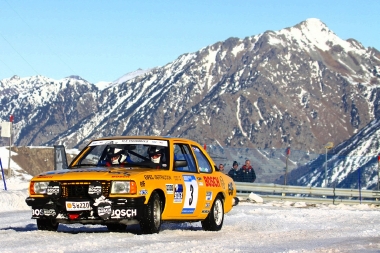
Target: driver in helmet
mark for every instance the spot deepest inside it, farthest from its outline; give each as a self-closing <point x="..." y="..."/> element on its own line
<point x="118" y="156"/>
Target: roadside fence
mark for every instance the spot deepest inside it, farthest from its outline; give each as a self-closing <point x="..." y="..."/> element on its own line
<point x="302" y="168"/>
<point x="275" y="192"/>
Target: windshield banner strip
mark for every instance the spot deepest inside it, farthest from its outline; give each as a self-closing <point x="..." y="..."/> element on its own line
<point x="130" y="141"/>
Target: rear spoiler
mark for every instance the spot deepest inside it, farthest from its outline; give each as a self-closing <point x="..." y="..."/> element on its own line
<point x="60" y="159"/>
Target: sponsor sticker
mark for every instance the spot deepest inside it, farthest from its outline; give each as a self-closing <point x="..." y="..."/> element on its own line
<point x="123" y="213"/>
<point x="212" y="181"/>
<point x="53" y="190"/>
<point x="143" y="192"/>
<point x="208" y="195"/>
<point x="130" y="141"/>
<point x="49" y="212"/>
<point x="104" y="211"/>
<point x="178" y="193"/>
<point x="96" y="190"/>
<point x="148" y="177"/>
<point x="230" y="188"/>
<point x="222" y="183"/>
<point x="162" y="177"/>
<point x="169" y="189"/>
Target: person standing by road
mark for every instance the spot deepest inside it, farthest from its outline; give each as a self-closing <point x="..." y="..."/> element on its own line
<point x="248" y="173"/>
<point x="221" y="168"/>
<point x="234" y="172"/>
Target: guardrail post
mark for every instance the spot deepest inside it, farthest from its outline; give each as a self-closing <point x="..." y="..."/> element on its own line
<point x="378" y="172"/>
<point x="2" y="173"/>
<point x="359" y="185"/>
<point x="334" y="196"/>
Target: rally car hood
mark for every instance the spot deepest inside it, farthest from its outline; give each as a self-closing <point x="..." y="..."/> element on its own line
<point x="92" y="173"/>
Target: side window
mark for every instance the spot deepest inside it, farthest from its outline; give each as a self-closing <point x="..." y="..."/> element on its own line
<point x="203" y="163"/>
<point x="182" y="152"/>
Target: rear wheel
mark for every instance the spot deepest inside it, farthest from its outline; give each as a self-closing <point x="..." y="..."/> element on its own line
<point x="151" y="220"/>
<point x="116" y="227"/>
<point x="214" y="220"/>
<point x="47" y="224"/>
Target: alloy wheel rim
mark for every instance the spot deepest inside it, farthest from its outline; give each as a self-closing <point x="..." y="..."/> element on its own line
<point x="156" y="213"/>
<point x="218" y="212"/>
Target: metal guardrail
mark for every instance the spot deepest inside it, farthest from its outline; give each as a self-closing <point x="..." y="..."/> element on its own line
<point x="276" y="192"/>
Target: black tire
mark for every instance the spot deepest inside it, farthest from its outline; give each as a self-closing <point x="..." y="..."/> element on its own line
<point x="151" y="220"/>
<point x="215" y="218"/>
<point x="47" y="224"/>
<point x="116" y="227"/>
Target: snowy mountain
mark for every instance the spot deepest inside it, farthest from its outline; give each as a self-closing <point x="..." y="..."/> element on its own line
<point x="301" y="87"/>
<point x="122" y="79"/>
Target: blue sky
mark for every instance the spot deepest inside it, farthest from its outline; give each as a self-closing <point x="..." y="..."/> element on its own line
<point x="103" y="40"/>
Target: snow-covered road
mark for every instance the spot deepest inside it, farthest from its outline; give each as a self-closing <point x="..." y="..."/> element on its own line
<point x="249" y="227"/>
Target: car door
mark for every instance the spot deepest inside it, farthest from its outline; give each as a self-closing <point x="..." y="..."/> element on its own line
<point x="184" y="200"/>
<point x="206" y="192"/>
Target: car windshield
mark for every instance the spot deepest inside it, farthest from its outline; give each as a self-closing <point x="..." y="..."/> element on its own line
<point x="125" y="152"/>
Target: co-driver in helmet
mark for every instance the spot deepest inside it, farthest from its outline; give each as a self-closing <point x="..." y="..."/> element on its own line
<point x="155" y="154"/>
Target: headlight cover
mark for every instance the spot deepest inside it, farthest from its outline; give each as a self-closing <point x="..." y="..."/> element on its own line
<point x="38" y="188"/>
<point x="123" y="187"/>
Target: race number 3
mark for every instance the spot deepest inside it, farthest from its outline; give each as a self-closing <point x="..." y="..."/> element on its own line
<point x="191" y="194"/>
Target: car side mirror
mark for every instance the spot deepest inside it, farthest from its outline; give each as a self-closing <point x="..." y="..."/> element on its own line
<point x="180" y="163"/>
<point x="216" y="168"/>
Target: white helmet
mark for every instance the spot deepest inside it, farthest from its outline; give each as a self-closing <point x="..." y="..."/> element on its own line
<point x="118" y="157"/>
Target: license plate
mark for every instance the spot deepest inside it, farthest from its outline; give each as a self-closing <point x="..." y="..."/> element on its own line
<point x="78" y="206"/>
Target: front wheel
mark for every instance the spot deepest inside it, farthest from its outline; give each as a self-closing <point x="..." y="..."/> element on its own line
<point x="214" y="220"/>
<point x="151" y="220"/>
<point x="47" y="224"/>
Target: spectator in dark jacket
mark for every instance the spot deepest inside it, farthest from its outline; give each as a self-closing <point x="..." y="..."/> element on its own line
<point x="234" y="172"/>
<point x="248" y="173"/>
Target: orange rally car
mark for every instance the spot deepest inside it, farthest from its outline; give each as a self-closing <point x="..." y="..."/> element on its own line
<point x="122" y="180"/>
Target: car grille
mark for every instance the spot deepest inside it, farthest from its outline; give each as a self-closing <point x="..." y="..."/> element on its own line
<point x="80" y="189"/>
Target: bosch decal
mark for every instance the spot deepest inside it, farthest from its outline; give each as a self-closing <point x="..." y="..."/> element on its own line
<point x="211" y="181"/>
<point x="43" y="212"/>
<point x="123" y="213"/>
